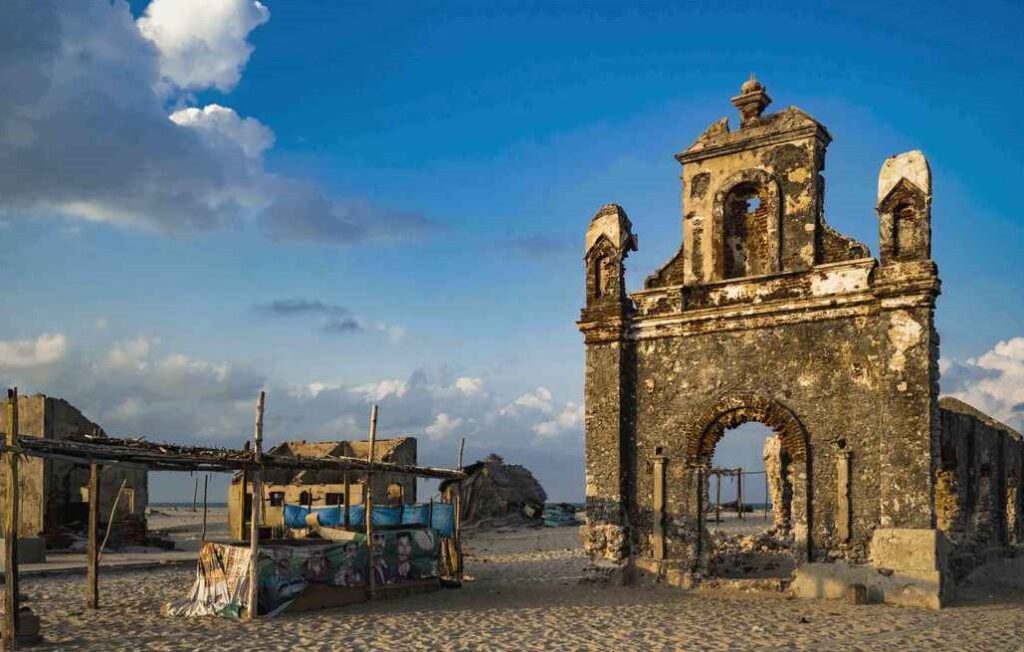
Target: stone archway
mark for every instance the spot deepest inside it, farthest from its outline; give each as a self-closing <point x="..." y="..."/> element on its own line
<point x="733" y="410"/>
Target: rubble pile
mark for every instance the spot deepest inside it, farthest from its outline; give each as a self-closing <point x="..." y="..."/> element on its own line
<point x="495" y="494"/>
<point x="763" y="553"/>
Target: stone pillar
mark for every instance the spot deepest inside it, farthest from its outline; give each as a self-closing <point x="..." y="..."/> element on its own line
<point x="658" y="536"/>
<point x="776" y="474"/>
<point x="844" y="511"/>
<point x="607" y="385"/>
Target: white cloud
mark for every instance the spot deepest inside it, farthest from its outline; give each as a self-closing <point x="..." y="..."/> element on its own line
<point x="381" y="390"/>
<point x="569" y="419"/>
<point x="129" y="354"/>
<point x="443" y="427"/>
<point x="70" y="66"/>
<point x="202" y="43"/>
<point x="539" y="399"/>
<point x="469" y="386"/>
<point x="220" y="125"/>
<point x="993" y="382"/>
<point x="23" y="354"/>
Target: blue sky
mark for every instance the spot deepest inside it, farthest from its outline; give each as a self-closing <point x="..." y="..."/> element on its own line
<point x="389" y="201"/>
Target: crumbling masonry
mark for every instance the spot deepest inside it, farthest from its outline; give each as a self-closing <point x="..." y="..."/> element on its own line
<point x="768" y="314"/>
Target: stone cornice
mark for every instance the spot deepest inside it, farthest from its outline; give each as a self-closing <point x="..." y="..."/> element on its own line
<point x="752" y="142"/>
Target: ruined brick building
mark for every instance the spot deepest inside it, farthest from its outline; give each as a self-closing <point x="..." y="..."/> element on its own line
<point x="768" y="314"/>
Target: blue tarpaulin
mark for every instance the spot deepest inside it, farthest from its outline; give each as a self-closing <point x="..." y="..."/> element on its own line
<point x="440" y="515"/>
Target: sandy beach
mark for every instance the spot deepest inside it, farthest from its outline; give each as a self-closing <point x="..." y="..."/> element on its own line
<point x="523" y="593"/>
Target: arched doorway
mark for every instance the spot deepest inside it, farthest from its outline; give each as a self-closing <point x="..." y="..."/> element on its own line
<point x="786" y="536"/>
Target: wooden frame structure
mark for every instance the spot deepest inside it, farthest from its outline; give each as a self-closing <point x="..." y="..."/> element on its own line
<point x="97" y="451"/>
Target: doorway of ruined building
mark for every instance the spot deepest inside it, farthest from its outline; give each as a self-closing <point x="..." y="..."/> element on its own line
<point x="747" y="509"/>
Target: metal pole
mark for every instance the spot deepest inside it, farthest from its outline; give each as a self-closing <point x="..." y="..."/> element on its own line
<point x="368" y="503"/>
<point x="257" y="503"/>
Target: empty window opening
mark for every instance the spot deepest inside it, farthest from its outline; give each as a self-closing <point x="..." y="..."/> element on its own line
<point x="745" y="231"/>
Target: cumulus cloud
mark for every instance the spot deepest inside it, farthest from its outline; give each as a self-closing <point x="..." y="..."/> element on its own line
<point x="129" y="354"/>
<point x="568" y="420"/>
<point x="221" y="127"/>
<point x="87" y="132"/>
<point x="539" y="399"/>
<point x="202" y="43"/>
<point x="469" y="386"/>
<point x="992" y="382"/>
<point x="443" y="427"/>
<point x="134" y="387"/>
<point x="23" y="354"/>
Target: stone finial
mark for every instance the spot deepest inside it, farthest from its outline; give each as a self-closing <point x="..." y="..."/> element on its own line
<point x="912" y="166"/>
<point x="752" y="100"/>
<point x="612" y="223"/>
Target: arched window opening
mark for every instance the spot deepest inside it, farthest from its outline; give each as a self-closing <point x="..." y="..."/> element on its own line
<point x="598" y="277"/>
<point x="748" y="505"/>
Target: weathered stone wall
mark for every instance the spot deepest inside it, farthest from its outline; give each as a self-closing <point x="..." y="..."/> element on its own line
<point x="765" y="314"/>
<point x="53" y="491"/>
<point x="978" y="475"/>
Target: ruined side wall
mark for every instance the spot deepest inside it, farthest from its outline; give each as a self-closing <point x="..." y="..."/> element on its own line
<point x="977" y="484"/>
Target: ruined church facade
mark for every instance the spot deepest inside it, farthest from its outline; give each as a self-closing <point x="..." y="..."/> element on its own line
<point x="768" y="314"/>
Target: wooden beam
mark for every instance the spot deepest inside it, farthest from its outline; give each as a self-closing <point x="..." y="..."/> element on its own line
<point x="257" y="502"/>
<point x="92" y="590"/>
<point x="11" y="500"/>
<point x="368" y="505"/>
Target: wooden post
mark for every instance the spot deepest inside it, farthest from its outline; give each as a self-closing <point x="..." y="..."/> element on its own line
<point x="206" y="488"/>
<point x="195" y="493"/>
<point x="368" y="504"/>
<point x="457" y="509"/>
<point x="739" y="491"/>
<point x="92" y="572"/>
<point x="718" y="497"/>
<point x="11" y="499"/>
<point x="767" y="498"/>
<point x="257" y="502"/>
<point x="348" y="489"/>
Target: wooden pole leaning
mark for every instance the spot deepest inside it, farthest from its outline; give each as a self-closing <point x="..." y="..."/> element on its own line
<point x="11" y="501"/>
<point x="110" y="521"/>
<point x="92" y="568"/>
<point x="254" y="518"/>
<point x="368" y="506"/>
